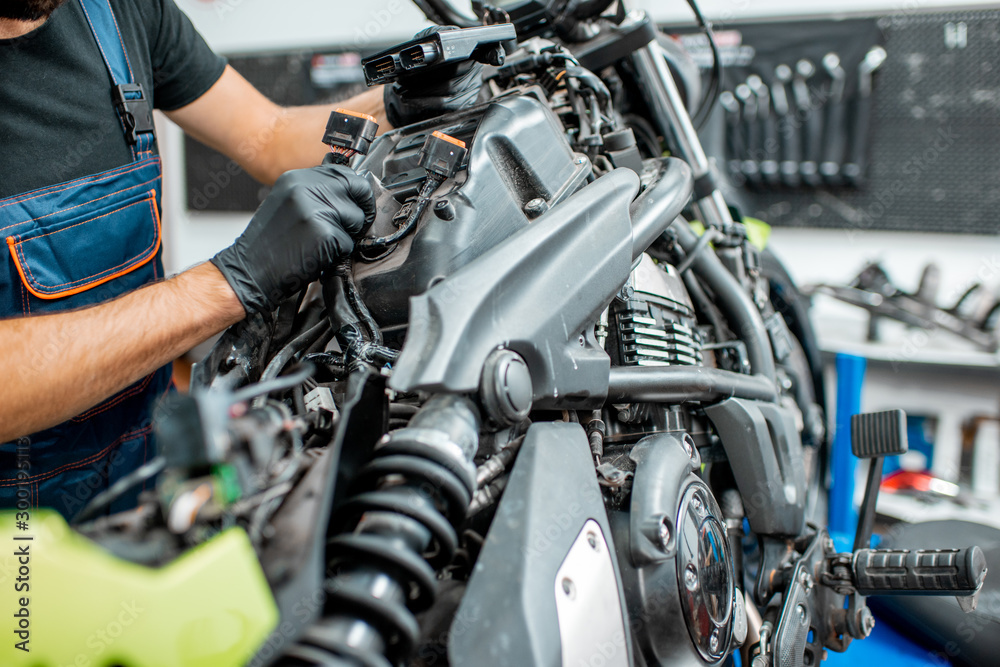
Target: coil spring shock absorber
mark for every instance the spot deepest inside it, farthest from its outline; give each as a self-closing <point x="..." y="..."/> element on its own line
<point x="398" y="529"/>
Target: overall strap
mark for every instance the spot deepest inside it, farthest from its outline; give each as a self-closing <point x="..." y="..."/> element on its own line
<point x="130" y="99"/>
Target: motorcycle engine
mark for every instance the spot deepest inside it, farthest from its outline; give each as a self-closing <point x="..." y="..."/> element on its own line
<point x="654" y="323"/>
<point x="678" y="547"/>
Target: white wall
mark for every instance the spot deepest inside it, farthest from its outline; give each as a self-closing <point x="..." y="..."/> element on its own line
<point x="252" y="25"/>
<point x="234" y="26"/>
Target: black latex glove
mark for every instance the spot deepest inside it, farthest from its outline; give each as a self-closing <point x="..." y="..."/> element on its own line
<point x="303" y="227"/>
<point x="440" y="90"/>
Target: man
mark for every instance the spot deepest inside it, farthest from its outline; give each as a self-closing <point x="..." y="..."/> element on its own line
<point x="84" y="360"/>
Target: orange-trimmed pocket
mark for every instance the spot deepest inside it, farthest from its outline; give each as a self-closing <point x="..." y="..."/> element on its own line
<point x="86" y="251"/>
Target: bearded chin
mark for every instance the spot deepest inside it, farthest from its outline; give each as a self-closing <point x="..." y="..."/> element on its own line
<point x="27" y="10"/>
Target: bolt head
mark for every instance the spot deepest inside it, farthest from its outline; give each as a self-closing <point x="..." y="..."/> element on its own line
<point x="690" y="578"/>
<point x="689" y="447"/>
<point x="866" y="622"/>
<point x="663" y="533"/>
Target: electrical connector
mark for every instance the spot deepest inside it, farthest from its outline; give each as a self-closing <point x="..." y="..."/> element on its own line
<point x="484" y="44"/>
<point x="349" y="133"/>
<point x="442" y="155"/>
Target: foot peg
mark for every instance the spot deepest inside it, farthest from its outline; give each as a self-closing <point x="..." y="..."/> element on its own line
<point x="958" y="572"/>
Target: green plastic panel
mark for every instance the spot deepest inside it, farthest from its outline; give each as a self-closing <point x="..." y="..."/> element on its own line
<point x="211" y="607"/>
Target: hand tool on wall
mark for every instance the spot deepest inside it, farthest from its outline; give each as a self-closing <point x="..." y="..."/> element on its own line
<point x="788" y="127"/>
<point x="834" y="132"/>
<point x="768" y="131"/>
<point x="812" y="125"/>
<point x="749" y="165"/>
<point x="854" y="169"/>
<point x="873" y="291"/>
<point x="734" y="136"/>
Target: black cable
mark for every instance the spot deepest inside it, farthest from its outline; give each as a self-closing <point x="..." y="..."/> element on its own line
<point x="707" y="237"/>
<point x="704" y="306"/>
<point x="298" y="344"/>
<point x="333" y="362"/>
<point x="715" y="83"/>
<point x="268" y="386"/>
<point x="417" y="208"/>
<point x="356" y="303"/>
<point x="105" y="498"/>
<point x="443" y="14"/>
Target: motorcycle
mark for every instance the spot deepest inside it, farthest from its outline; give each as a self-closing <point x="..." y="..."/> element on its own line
<point x="539" y="417"/>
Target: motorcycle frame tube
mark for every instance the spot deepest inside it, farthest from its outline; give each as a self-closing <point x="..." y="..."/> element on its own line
<point x="670" y="114"/>
<point x="677" y="384"/>
<point x="656" y="208"/>
<point x="742" y="314"/>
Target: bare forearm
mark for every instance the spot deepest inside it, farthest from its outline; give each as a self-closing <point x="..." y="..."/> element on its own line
<point x="296" y="142"/>
<point x="265" y="139"/>
<point x="57" y="366"/>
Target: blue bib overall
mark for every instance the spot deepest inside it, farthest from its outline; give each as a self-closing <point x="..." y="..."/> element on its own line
<point x="73" y="245"/>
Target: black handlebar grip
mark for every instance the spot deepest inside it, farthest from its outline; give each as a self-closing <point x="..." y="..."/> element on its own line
<point x="919" y="572"/>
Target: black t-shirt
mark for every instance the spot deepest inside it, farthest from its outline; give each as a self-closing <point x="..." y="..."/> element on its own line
<point x="57" y="118"/>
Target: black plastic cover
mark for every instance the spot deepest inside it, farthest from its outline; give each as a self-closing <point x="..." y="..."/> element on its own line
<point x="485" y="202"/>
<point x="508" y="616"/>
<point x="538" y="293"/>
<point x="764" y="449"/>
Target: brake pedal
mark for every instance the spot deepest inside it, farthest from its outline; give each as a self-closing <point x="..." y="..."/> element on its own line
<point x="875" y="435"/>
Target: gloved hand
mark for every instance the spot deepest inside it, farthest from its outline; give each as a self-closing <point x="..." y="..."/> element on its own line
<point x="416" y="97"/>
<point x="303" y="227"/>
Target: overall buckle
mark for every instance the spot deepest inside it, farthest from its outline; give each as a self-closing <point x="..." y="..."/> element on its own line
<point x="133" y="107"/>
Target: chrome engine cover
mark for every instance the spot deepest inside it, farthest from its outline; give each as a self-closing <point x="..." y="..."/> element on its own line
<point x="680" y="590"/>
